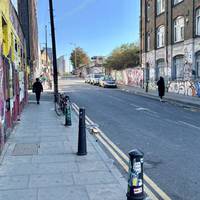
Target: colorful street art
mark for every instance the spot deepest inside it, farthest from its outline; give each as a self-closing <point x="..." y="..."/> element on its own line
<point x="188" y="88"/>
<point x="130" y="76"/>
<point x="12" y="61"/>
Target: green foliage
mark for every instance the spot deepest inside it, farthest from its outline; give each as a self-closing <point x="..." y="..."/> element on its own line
<point x="79" y="57"/>
<point x="125" y="56"/>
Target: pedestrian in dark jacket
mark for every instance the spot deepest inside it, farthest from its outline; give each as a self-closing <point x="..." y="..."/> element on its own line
<point x="37" y="89"/>
<point x="161" y="88"/>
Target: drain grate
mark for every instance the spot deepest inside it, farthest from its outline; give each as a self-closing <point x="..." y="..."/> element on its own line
<point x="25" y="149"/>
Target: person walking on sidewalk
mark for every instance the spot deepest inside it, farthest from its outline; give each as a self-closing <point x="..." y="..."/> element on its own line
<point x="161" y="88"/>
<point x="37" y="89"/>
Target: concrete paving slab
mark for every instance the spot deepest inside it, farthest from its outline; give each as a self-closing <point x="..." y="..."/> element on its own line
<point x="49" y="180"/>
<point x="88" y="166"/>
<point x="56" y="168"/>
<point x="17" y="159"/>
<point x="13" y="182"/>
<point x="15" y="169"/>
<point x="63" y="193"/>
<point x="87" y="178"/>
<point x="26" y="194"/>
<point x="54" y="158"/>
<point x="106" y="192"/>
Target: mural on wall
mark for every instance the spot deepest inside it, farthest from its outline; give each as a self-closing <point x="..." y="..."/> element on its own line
<point x="188" y="88"/>
<point x="135" y="77"/>
<point x="131" y="76"/>
<point x="1" y="96"/>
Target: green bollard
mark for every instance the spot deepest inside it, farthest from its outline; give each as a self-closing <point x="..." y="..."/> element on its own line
<point x="68" y="120"/>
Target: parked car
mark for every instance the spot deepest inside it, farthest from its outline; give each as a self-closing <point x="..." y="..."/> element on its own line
<point x="107" y="81"/>
<point x="87" y="78"/>
<point x="95" y="78"/>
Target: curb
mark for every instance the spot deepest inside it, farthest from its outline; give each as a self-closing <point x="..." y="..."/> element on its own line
<point x="171" y="100"/>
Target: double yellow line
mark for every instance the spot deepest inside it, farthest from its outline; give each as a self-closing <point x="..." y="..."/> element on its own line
<point x="123" y="160"/>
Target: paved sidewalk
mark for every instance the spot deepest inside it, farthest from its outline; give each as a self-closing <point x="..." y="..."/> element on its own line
<point x="40" y="162"/>
<point x="178" y="98"/>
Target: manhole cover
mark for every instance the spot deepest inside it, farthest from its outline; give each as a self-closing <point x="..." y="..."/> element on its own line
<point x="25" y="149"/>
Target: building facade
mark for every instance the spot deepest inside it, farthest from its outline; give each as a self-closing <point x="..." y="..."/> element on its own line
<point x="61" y="64"/>
<point x="170" y="44"/>
<point x="45" y="69"/>
<point x="13" y="69"/>
<point x="27" y="11"/>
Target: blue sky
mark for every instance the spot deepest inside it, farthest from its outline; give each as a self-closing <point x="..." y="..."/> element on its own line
<point x="98" y="26"/>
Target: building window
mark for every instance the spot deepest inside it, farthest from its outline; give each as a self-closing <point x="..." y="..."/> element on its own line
<point x="160" y="5"/>
<point x="177" y="1"/>
<point x="197" y="66"/>
<point x="179" y="29"/>
<point x="160" y="69"/>
<point x="148" y="11"/>
<point x="148" y="41"/>
<point x="198" y="21"/>
<point x="160" y="35"/>
<point x="178" y="67"/>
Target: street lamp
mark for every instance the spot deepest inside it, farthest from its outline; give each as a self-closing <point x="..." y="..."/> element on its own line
<point x="75" y="59"/>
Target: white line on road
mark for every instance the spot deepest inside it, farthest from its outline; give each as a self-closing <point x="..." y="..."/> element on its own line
<point x="190" y="125"/>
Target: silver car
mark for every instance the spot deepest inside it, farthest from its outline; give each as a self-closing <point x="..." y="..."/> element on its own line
<point x="107" y="81"/>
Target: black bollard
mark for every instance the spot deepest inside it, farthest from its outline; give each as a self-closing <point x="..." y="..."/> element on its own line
<point x="82" y="145"/>
<point x="135" y="179"/>
<point x="68" y="120"/>
<point x="147" y="86"/>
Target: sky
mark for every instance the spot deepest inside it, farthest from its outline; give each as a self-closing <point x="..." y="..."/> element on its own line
<point x="97" y="26"/>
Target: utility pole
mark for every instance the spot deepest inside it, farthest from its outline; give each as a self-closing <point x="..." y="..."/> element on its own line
<point x="46" y="46"/>
<point x="55" y="71"/>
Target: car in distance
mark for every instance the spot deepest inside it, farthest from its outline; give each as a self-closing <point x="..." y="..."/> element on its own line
<point x="95" y="78"/>
<point x="107" y="81"/>
<point x="87" y="78"/>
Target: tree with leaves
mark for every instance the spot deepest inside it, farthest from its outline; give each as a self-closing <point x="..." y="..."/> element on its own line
<point x="125" y="56"/>
<point x="79" y="57"/>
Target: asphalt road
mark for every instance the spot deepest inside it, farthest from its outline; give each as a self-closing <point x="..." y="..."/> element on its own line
<point x="168" y="134"/>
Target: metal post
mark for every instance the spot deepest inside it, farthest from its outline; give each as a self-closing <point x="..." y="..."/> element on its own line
<point x="135" y="180"/>
<point x="55" y="71"/>
<point x="46" y="45"/>
<point x="75" y="58"/>
<point x="82" y="146"/>
<point x="68" y="120"/>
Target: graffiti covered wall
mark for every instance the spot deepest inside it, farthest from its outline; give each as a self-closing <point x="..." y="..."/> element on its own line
<point x="12" y="63"/>
<point x="130" y="76"/>
<point x="189" y="88"/>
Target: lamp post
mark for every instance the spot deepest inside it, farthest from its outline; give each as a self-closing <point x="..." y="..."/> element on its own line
<point x="55" y="71"/>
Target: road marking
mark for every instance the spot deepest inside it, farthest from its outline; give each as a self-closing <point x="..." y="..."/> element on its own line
<point x="125" y="166"/>
<point x="154" y="186"/>
<point x="190" y="125"/>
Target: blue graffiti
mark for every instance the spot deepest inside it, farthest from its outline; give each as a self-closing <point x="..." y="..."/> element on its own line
<point x="197" y="85"/>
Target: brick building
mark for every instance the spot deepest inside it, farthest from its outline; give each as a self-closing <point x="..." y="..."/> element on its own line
<point x="27" y="11"/>
<point x="170" y="44"/>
